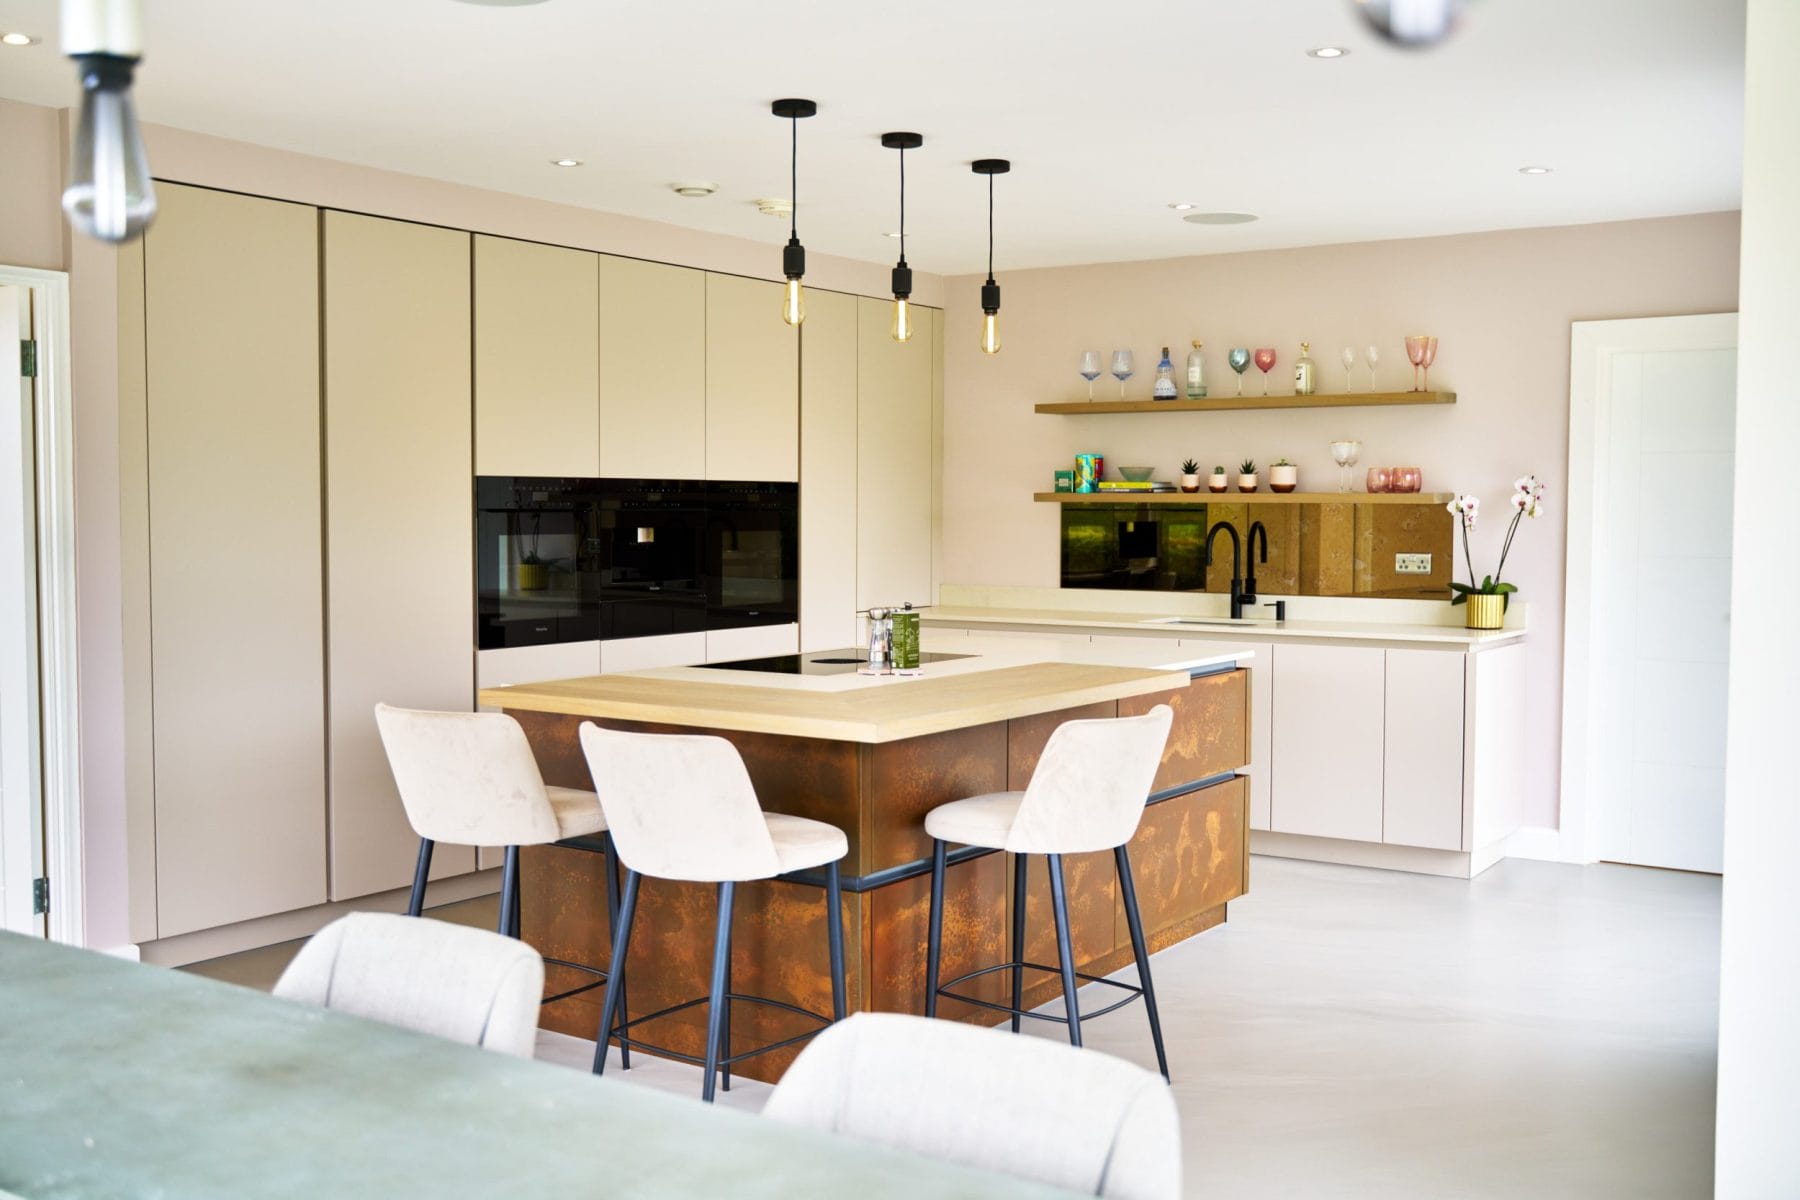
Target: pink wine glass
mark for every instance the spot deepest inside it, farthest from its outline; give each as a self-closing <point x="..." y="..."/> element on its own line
<point x="1415" y="354"/>
<point x="1265" y="362"/>
<point x="1430" y="357"/>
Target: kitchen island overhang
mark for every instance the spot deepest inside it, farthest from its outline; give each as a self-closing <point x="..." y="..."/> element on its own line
<point x="872" y="756"/>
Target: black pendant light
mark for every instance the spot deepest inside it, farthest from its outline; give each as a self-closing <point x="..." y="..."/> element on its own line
<point x="990" y="291"/>
<point x="793" y="257"/>
<point x="902" y="326"/>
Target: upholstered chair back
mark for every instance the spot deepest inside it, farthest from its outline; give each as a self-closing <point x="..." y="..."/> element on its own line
<point x="680" y="806"/>
<point x="467" y="778"/>
<point x="1091" y="782"/>
<point x="1026" y="1106"/>
<point x="451" y="981"/>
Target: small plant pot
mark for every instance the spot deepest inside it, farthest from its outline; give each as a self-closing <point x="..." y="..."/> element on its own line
<point x="1190" y="483"/>
<point x="1486" y="612"/>
<point x="1247" y="483"/>
<point x="533" y="577"/>
<point x="1216" y="483"/>
<point x="1284" y="479"/>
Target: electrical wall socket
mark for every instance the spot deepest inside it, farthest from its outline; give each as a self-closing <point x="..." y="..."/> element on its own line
<point x="1412" y="564"/>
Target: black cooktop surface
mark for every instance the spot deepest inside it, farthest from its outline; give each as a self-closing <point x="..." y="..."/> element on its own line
<point x="819" y="662"/>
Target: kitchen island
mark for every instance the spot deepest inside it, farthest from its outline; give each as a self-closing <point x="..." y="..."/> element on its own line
<point x="873" y="755"/>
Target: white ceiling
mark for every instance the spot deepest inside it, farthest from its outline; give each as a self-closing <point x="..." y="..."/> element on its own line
<point x="1109" y="112"/>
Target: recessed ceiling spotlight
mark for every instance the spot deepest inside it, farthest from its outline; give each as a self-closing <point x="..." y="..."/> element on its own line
<point x="1327" y="52"/>
<point x="694" y="191"/>
<point x="565" y="162"/>
<point x="1535" y="170"/>
<point x="1219" y="218"/>
<point x="893" y="235"/>
<point x="774" y="207"/>
<point x="18" y="39"/>
<point x="1181" y="207"/>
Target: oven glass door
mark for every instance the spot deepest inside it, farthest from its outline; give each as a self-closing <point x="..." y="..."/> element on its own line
<point x="537" y="570"/>
<point x="650" y="537"/>
<point x="752" y="561"/>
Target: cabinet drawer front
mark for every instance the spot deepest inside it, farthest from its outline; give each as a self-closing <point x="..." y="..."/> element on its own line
<point x="1211" y="733"/>
<point x="1327" y="741"/>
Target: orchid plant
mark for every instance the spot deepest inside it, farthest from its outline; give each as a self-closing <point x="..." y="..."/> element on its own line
<point x="1527" y="501"/>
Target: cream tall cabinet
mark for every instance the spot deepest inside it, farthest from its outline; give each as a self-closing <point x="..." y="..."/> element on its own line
<point x="399" y="559"/>
<point x="893" y="459"/>
<point x="752" y="382"/>
<point x="230" y="420"/>
<point x="828" y="461"/>
<point x="652" y="370"/>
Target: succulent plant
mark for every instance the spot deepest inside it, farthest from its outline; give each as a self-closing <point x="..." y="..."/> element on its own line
<point x="1281" y="462"/>
<point x="1189" y="467"/>
<point x="1247" y="467"/>
<point x="1218" y="470"/>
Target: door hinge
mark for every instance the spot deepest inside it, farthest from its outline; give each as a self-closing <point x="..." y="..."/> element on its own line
<point x="28" y="359"/>
<point x="40" y="896"/>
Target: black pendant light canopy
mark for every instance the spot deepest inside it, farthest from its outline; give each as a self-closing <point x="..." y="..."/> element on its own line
<point x="902" y="326"/>
<point x="990" y="291"/>
<point x="793" y="256"/>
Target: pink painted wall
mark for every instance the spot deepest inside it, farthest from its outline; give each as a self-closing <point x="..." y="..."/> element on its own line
<point x="1500" y="303"/>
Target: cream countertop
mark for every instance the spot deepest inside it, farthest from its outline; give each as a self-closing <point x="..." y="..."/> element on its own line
<point x="1213" y="628"/>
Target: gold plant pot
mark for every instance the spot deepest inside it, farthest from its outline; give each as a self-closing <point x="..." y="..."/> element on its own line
<point x="533" y="577"/>
<point x="1486" y="612"/>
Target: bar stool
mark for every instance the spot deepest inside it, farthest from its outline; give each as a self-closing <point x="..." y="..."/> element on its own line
<point x="471" y="779"/>
<point x="1087" y="794"/>
<point x="682" y="807"/>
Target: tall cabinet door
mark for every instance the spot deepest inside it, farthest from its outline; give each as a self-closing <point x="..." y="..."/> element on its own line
<point x="237" y="668"/>
<point x="1326" y="777"/>
<point x="828" y="472"/>
<point x="893" y="460"/>
<point x="400" y="570"/>
<point x="537" y="359"/>
<point x="752" y="382"/>
<point x="652" y="370"/>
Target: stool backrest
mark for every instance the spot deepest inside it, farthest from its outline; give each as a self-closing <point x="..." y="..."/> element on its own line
<point x="1030" y="1107"/>
<point x="679" y="805"/>
<point x="1091" y="782"/>
<point x="467" y="778"/>
<point x="466" y="985"/>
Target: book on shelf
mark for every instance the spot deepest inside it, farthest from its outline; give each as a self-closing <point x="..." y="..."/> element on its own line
<point x="1130" y="485"/>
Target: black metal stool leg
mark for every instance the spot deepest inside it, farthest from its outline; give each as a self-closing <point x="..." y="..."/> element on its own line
<point x="1020" y="862"/>
<point x="834" y="925"/>
<point x="934" y="943"/>
<point x="725" y="1034"/>
<point x="509" y="891"/>
<point x="518" y="898"/>
<point x="1065" y="954"/>
<point x="612" y="928"/>
<point x="1128" y="889"/>
<point x="416" y="904"/>
<point x="715" y="1016"/>
<point x="615" y="975"/>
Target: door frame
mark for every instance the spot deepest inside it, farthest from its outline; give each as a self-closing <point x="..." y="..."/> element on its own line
<point x="59" y="714"/>
<point x="1593" y="345"/>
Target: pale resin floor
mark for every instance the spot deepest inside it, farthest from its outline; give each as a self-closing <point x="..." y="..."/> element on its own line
<point x="1542" y="1031"/>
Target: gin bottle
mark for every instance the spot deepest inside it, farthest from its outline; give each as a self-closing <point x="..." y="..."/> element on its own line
<point x="1305" y="374"/>
<point x="1165" y="379"/>
<point x="1196" y="374"/>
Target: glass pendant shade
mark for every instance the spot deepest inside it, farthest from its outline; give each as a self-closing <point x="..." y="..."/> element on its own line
<point x="990" y="291"/>
<point x="110" y="196"/>
<point x="793" y="255"/>
<point x="793" y="302"/>
<point x="990" y="333"/>
<point x="902" y="328"/>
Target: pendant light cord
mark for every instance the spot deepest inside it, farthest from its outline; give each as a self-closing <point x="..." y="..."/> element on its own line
<point x="794" y="178"/>
<point x="903" y="204"/>
<point x="990" y="229"/>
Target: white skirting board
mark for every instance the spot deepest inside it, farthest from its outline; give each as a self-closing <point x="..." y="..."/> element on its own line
<point x="1535" y="842"/>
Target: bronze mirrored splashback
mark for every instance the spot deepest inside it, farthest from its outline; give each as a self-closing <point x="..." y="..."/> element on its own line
<point x="1331" y="548"/>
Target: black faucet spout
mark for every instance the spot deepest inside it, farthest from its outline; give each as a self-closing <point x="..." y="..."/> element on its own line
<point x="1237" y="577"/>
<point x="1258" y="533"/>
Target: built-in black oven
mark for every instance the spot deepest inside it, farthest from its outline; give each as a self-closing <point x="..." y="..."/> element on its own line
<point x="567" y="560"/>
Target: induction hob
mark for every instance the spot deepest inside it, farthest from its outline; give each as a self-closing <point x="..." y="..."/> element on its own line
<point x="819" y="662"/>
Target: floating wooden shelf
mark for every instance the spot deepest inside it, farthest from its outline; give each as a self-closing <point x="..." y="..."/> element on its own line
<point x="1236" y="497"/>
<point x="1079" y="408"/>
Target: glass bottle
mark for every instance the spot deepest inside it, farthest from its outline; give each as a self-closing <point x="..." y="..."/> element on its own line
<point x="1165" y="379"/>
<point x="1305" y="374"/>
<point x="1196" y="374"/>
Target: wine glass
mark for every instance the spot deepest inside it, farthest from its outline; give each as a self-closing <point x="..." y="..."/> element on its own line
<point x="1429" y="358"/>
<point x="1122" y="369"/>
<point x="1344" y="453"/>
<point x="1265" y="362"/>
<point x="1373" y="354"/>
<point x="1349" y="357"/>
<point x="1239" y="359"/>
<point x="1090" y="370"/>
<point x="1415" y="354"/>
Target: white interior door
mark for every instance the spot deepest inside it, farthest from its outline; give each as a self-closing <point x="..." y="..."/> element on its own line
<point x="21" y="793"/>
<point x="1657" y="542"/>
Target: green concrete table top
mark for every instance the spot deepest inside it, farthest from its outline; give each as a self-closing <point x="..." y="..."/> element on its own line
<point x="120" y="1080"/>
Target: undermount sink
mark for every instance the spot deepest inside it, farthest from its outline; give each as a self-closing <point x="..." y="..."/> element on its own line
<point x="1215" y="622"/>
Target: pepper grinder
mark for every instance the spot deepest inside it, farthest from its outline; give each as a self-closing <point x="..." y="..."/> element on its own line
<point x="881" y="646"/>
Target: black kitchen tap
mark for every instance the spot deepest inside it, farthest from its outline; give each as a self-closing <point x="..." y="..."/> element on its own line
<point x="1237" y="579"/>
<point x="1250" y="559"/>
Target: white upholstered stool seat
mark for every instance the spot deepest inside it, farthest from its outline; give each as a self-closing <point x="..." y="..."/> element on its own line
<point x="577" y="812"/>
<point x="1086" y="794"/>
<point x="977" y="821"/>
<point x="801" y="842"/>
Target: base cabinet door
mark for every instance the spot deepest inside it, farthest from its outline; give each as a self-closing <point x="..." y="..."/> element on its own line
<point x="399" y="557"/>
<point x="1422" y="770"/>
<point x="1327" y="741"/>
